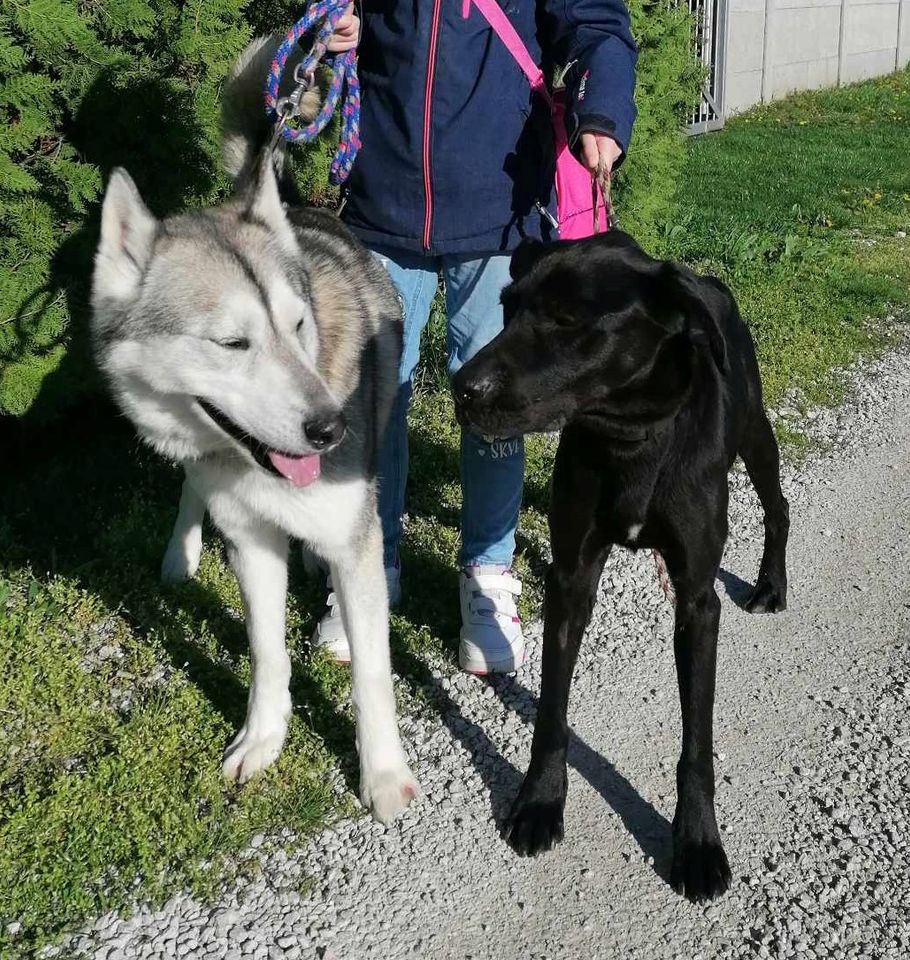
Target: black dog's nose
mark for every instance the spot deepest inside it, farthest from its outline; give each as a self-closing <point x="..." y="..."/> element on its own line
<point x="468" y="390"/>
<point x="324" y="430"/>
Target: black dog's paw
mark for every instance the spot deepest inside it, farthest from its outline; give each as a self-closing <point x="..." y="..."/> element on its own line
<point x="700" y="871"/>
<point x="534" y="827"/>
<point x="767" y="597"/>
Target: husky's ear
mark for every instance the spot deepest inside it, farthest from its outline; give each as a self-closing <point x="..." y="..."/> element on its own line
<point x="127" y="236"/>
<point x="263" y="199"/>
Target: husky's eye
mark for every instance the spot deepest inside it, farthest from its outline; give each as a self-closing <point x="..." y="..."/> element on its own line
<point x="299" y="325"/>
<point x="235" y="343"/>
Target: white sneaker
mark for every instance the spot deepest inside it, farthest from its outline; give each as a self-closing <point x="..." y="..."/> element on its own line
<point x="329" y="633"/>
<point x="491" y="638"/>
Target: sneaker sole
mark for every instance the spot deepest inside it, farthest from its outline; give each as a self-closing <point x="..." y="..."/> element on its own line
<point x="334" y="655"/>
<point x="485" y="668"/>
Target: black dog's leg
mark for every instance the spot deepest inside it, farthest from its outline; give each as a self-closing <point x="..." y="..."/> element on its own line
<point x="536" y="821"/>
<point x="762" y="459"/>
<point x="700" y="869"/>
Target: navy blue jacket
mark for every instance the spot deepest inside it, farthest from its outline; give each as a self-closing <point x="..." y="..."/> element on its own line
<point x="456" y="152"/>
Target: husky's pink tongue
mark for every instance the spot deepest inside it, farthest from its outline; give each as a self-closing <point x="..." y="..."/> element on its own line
<point x="301" y="471"/>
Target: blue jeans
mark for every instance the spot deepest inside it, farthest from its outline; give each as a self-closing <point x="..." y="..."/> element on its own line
<point x="492" y="472"/>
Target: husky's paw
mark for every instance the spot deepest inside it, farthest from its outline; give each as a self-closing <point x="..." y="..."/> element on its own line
<point x="181" y="559"/>
<point x="251" y="752"/>
<point x="386" y="793"/>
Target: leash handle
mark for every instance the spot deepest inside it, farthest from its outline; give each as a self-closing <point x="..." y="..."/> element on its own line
<point x="602" y="198"/>
<point x="344" y="87"/>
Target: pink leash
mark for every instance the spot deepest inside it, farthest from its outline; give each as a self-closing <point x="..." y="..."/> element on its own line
<point x="572" y="180"/>
<point x="502" y="27"/>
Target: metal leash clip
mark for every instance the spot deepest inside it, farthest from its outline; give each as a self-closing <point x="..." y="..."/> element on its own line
<point x="289" y="106"/>
<point x="542" y="210"/>
<point x="304" y="77"/>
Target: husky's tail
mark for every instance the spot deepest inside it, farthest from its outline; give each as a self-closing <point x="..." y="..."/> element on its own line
<point x="245" y="127"/>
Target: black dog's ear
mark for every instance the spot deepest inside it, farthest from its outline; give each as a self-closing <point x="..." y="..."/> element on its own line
<point x="526" y="254"/>
<point x="705" y="302"/>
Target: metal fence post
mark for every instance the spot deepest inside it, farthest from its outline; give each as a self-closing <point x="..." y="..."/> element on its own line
<point x="767" y="51"/>
<point x="840" y="42"/>
<point x="900" y="29"/>
<point x="711" y="20"/>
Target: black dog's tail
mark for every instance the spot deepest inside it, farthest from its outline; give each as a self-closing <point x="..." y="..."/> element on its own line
<point x="246" y="129"/>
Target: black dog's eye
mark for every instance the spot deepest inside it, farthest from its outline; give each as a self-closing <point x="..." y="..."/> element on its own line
<point x="564" y="319"/>
<point x="235" y="343"/>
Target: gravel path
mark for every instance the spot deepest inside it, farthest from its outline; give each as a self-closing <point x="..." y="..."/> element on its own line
<point x="813" y="765"/>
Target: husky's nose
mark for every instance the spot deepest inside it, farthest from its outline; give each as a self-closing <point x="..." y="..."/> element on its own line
<point x="324" y="430"/>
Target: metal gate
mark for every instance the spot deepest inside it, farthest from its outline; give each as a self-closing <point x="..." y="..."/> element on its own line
<point x="710" y="45"/>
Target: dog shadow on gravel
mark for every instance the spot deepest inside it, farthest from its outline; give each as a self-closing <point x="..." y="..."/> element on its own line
<point x="650" y="830"/>
<point x="737" y="589"/>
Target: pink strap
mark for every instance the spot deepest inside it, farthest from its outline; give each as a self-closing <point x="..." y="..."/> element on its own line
<point x="503" y="28"/>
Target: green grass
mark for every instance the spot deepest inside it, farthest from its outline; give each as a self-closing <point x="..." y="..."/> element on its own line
<point x="118" y="695"/>
<point x="798" y="206"/>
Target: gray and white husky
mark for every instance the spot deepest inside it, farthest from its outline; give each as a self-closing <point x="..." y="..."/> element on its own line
<point x="258" y="346"/>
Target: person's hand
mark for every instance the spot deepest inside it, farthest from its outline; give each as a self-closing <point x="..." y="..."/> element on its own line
<point x="599" y="150"/>
<point x="347" y="32"/>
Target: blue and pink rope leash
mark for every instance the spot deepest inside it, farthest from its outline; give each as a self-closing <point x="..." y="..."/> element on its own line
<point x="321" y="16"/>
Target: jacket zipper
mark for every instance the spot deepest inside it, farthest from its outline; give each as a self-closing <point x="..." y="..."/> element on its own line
<point x="431" y="72"/>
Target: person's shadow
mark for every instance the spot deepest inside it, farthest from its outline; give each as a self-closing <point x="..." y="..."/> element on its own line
<point x="83" y="492"/>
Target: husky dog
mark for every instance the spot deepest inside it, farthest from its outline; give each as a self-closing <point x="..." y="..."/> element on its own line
<point x="257" y="345"/>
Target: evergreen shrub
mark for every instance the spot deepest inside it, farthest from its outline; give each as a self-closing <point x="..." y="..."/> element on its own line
<point x="86" y="86"/>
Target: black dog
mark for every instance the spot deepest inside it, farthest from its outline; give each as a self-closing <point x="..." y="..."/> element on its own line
<point x="652" y="374"/>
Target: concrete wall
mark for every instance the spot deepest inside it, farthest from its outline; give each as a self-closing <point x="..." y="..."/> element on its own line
<point x="775" y="47"/>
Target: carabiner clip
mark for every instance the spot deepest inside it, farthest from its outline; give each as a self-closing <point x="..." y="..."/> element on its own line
<point x="304" y="78"/>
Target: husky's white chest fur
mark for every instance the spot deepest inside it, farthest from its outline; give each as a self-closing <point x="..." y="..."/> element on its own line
<point x="328" y="514"/>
